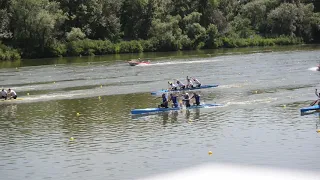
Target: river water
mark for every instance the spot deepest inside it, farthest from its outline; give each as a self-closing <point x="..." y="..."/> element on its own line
<point x="259" y="123"/>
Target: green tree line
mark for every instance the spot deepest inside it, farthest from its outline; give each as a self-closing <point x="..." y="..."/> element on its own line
<point x="52" y="28"/>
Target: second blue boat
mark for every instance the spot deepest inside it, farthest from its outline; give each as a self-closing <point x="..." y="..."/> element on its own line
<point x="187" y="89"/>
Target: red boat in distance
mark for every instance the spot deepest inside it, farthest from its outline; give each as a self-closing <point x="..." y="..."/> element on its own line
<point x="136" y="62"/>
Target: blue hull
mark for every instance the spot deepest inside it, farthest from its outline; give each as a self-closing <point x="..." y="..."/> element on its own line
<point x="155" y="110"/>
<point x="188" y="89"/>
<point x="310" y="108"/>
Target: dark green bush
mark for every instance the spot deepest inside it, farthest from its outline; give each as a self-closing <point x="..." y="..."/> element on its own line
<point x="7" y="53"/>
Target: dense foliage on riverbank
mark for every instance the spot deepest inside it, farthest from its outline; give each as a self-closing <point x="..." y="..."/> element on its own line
<point x="48" y="28"/>
<point x="7" y="53"/>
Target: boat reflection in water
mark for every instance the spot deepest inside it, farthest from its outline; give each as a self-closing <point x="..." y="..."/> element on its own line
<point x="317" y="114"/>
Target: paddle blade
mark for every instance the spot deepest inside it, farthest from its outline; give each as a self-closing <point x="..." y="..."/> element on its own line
<point x="313" y="103"/>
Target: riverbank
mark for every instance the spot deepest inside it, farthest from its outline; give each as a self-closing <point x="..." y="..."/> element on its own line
<point x="7" y="54"/>
<point x="88" y="47"/>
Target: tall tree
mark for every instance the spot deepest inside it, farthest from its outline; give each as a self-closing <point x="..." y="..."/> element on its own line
<point x="35" y="24"/>
<point x="136" y="18"/>
<point x="4" y="24"/>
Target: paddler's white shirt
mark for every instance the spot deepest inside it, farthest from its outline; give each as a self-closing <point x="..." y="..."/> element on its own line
<point x="4" y="93"/>
<point x="180" y="84"/>
<point x="13" y="93"/>
<point x="196" y="81"/>
<point x="173" y="85"/>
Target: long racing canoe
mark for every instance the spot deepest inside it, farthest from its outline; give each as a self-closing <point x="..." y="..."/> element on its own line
<point x="310" y="108"/>
<point x="186" y="89"/>
<point x="156" y="110"/>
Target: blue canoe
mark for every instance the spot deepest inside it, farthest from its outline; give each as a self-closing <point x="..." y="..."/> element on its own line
<point x="310" y="108"/>
<point x="155" y="110"/>
<point x="187" y="89"/>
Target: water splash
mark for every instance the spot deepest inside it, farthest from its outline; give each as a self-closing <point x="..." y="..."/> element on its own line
<point x="313" y="69"/>
<point x="179" y="62"/>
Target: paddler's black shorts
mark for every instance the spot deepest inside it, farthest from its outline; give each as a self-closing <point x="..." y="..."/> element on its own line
<point x="164" y="105"/>
<point x="3" y="97"/>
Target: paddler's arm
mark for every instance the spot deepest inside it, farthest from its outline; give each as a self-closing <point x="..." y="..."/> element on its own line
<point x="317" y="93"/>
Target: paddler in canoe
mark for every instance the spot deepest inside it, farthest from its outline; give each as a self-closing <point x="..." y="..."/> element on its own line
<point x="189" y="83"/>
<point x="318" y="100"/>
<point x="174" y="99"/>
<point x="11" y="94"/>
<point x="196" y="99"/>
<point x="4" y="94"/>
<point x="181" y="85"/>
<point x="186" y="100"/>
<point x="196" y="81"/>
<point x="164" y="103"/>
<point x="172" y="86"/>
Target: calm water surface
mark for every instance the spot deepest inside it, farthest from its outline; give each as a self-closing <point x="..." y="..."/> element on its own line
<point x="259" y="124"/>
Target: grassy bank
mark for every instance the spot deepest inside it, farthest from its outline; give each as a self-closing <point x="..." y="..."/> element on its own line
<point x="89" y="47"/>
<point x="98" y="47"/>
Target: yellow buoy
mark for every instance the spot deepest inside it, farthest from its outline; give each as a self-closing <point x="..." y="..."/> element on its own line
<point x="71" y="138"/>
<point x="99" y="98"/>
<point x="54" y="82"/>
<point x="28" y="94"/>
<point x="16" y="67"/>
<point x="318" y="130"/>
<point x="78" y="114"/>
<point x="101" y="86"/>
<point x="210" y="153"/>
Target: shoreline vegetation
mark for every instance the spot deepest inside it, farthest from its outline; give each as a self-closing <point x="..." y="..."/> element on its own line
<point x="59" y="28"/>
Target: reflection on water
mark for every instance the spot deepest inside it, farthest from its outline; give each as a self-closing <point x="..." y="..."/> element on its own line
<point x="9" y="111"/>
